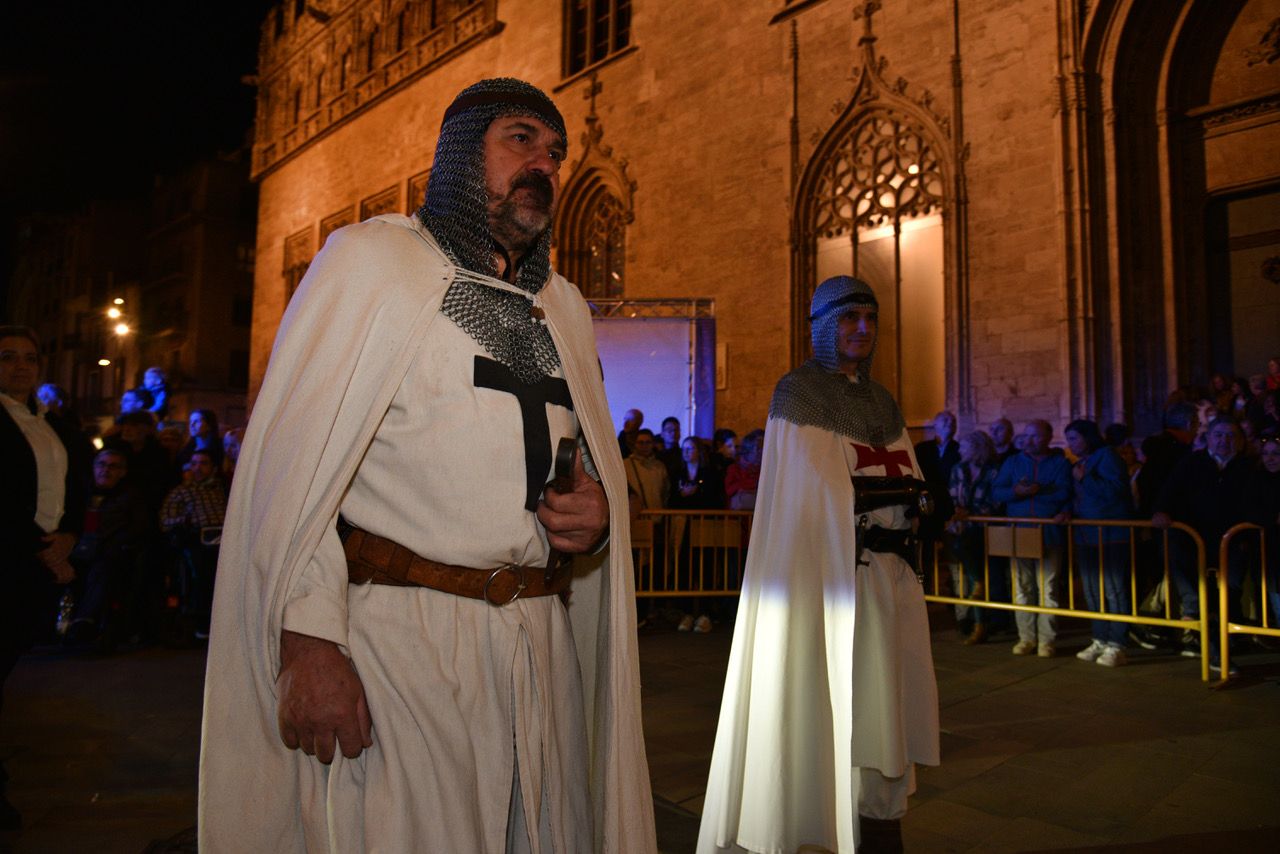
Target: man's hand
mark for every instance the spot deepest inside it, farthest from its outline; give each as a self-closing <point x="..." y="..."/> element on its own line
<point x="577" y="519"/>
<point x="320" y="699"/>
<point x="1162" y="520"/>
<point x="1025" y="488"/>
<point x="57" y="548"/>
<point x="63" y="571"/>
<point x="1062" y="518"/>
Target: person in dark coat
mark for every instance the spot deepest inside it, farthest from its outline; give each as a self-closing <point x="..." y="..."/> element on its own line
<point x="1261" y="506"/>
<point x="699" y="486"/>
<point x="41" y="509"/>
<point x="150" y="471"/>
<point x="117" y="528"/>
<point x="937" y="457"/>
<point x="1205" y="491"/>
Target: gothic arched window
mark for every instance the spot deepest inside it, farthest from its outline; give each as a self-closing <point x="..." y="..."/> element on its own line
<point x="593" y="239"/>
<point x="874" y="210"/>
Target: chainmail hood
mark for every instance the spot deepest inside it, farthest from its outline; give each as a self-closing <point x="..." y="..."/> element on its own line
<point x="818" y="394"/>
<point x="831" y="300"/>
<point x="456" y="212"/>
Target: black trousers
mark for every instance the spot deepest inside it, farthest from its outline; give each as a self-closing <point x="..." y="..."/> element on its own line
<point x="28" y="606"/>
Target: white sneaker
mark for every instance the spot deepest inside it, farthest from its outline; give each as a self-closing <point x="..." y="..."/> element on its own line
<point x="1024" y="647"/>
<point x="1092" y="651"/>
<point x="1113" y="656"/>
<point x="685" y="624"/>
<point x="702" y="625"/>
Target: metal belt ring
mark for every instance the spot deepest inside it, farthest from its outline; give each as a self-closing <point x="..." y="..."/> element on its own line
<point x="518" y="572"/>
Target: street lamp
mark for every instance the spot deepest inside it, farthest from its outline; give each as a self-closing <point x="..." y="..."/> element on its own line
<point x="121" y="329"/>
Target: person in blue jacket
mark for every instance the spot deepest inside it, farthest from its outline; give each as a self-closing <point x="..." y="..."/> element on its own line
<point x="1036" y="483"/>
<point x="1101" y="492"/>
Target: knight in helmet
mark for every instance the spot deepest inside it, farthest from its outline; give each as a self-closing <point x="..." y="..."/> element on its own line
<point x="397" y="660"/>
<point x="830" y="698"/>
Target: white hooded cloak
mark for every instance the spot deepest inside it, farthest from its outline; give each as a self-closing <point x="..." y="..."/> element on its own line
<point x="346" y="341"/>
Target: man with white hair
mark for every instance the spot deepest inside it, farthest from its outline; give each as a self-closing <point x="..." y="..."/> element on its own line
<point x="632" y="421"/>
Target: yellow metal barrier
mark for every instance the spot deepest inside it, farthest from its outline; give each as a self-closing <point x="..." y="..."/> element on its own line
<point x="1226" y="628"/>
<point x="1021" y="537"/>
<point x="703" y="552"/>
<point x="690" y="552"/>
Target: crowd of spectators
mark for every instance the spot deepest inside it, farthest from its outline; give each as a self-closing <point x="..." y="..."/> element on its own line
<point x="146" y="523"/>
<point x="669" y="471"/>
<point x="1215" y="464"/>
<point x="103" y="538"/>
<point x="156" y="491"/>
<point x="666" y="471"/>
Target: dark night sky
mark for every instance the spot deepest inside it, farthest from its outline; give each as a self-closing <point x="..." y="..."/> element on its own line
<point x="96" y="98"/>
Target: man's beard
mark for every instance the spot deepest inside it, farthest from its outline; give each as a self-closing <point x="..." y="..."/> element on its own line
<point x="517" y="224"/>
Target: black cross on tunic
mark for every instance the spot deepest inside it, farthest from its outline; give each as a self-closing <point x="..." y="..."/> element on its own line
<point x="533" y="399"/>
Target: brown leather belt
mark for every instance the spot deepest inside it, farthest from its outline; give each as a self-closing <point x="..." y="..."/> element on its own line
<point x="376" y="560"/>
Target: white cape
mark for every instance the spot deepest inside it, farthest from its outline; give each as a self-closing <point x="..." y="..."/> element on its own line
<point x="806" y="703"/>
<point x="343" y="347"/>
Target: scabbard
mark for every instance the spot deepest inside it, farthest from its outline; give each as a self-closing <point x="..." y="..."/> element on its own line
<point x="874" y="493"/>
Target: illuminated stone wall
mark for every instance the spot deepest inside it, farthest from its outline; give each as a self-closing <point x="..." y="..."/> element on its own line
<point x="700" y="106"/>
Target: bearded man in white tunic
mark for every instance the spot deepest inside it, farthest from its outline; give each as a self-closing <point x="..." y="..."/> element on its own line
<point x="392" y="664"/>
<point x="830" y="697"/>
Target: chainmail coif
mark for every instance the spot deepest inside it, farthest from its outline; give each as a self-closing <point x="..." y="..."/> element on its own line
<point x="818" y="394"/>
<point x="456" y="212"/>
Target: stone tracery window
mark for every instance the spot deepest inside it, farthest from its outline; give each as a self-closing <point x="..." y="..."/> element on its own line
<point x="605" y="247"/>
<point x="876" y="213"/>
<point x="882" y="173"/>
<point x="593" y="246"/>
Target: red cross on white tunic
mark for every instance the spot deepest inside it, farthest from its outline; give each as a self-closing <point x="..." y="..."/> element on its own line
<point x="874" y="455"/>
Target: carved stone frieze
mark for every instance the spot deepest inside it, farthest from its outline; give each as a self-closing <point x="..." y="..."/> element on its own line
<point x="598" y="155"/>
<point x="597" y="207"/>
<point x="1271" y="269"/>
<point x="298" y="250"/>
<point x="386" y="201"/>
<point x="1236" y="113"/>
<point x="417" y="191"/>
<point x="335" y="221"/>
<point x="1268" y="49"/>
<point x="322" y="66"/>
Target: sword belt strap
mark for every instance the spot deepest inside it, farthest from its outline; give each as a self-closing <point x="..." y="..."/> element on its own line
<point x="890" y="541"/>
<point x="372" y="559"/>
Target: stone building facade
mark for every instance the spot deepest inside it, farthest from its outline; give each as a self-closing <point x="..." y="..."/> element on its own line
<point x="1067" y="206"/>
<point x="173" y="271"/>
<point x="197" y="292"/>
<point x="70" y="269"/>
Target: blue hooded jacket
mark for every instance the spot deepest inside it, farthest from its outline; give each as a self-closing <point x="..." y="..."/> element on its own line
<point x="1053" y="473"/>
